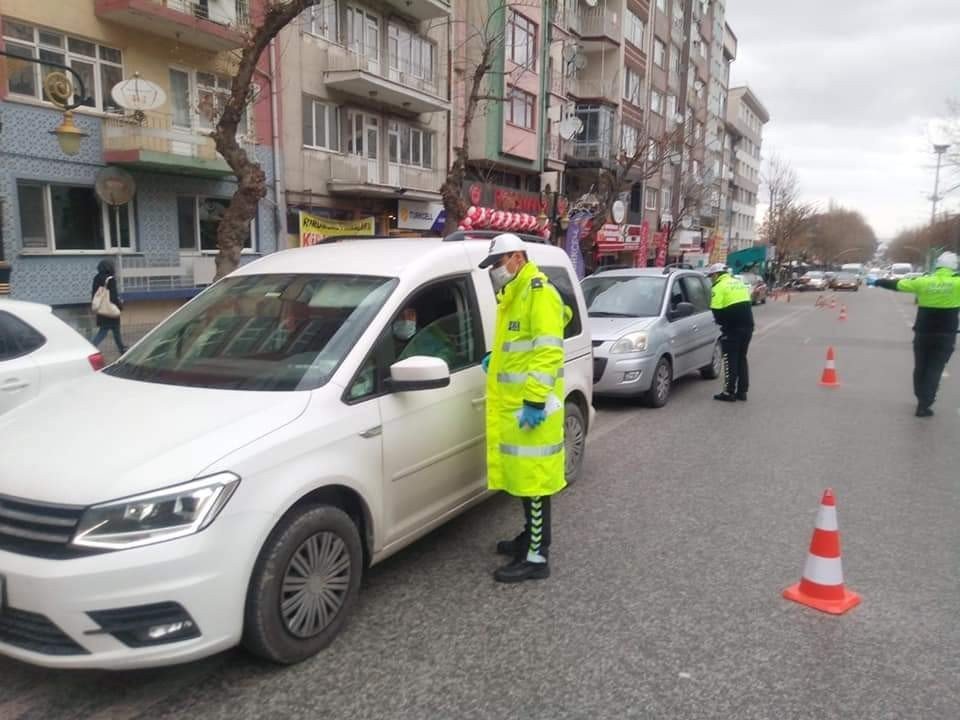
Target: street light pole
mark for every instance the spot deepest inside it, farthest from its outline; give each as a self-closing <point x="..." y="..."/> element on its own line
<point x="939" y="150"/>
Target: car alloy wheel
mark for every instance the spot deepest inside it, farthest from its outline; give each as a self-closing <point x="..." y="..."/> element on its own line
<point x="575" y="441"/>
<point x="315" y="584"/>
<point x="661" y="383"/>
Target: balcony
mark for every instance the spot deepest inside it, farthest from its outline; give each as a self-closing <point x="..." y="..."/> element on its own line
<point x="214" y="25"/>
<point x="357" y="176"/>
<point x="557" y="148"/>
<point x="556" y="83"/>
<point x="157" y="144"/>
<point x="374" y="80"/>
<point x="421" y="10"/>
<point x="596" y="24"/>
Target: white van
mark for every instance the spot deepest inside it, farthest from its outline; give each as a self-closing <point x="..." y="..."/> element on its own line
<point x="231" y="477"/>
<point x="898" y="271"/>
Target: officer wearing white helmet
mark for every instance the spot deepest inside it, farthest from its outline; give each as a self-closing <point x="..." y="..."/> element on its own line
<point x="733" y="310"/>
<point x="935" y="329"/>
<point x="525" y="453"/>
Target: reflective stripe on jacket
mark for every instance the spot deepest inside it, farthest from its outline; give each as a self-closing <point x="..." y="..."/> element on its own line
<point x="731" y="304"/>
<point x="526" y="365"/>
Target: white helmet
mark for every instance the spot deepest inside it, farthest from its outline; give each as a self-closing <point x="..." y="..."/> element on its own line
<point x="947" y="260"/>
<point x="716" y="269"/>
<point x="503" y="244"/>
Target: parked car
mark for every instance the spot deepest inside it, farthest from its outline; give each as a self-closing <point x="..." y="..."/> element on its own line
<point x="812" y="280"/>
<point x="232" y="476"/>
<point x="758" y="288"/>
<point x="650" y="327"/>
<point x="845" y="281"/>
<point x="37" y="351"/>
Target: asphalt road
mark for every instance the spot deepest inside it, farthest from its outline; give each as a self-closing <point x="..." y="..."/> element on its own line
<point x="668" y="562"/>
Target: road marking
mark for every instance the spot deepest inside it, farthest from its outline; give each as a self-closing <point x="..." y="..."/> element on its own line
<point x="765" y="330"/>
<point x="607" y="429"/>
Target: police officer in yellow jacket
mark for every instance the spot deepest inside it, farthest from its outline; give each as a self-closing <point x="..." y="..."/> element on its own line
<point x="525" y="452"/>
<point x="935" y="330"/>
<point x="733" y="310"/>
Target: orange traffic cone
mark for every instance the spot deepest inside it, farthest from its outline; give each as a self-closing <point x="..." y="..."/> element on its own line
<point x="821" y="586"/>
<point x="829" y="377"/>
<point x="833" y="303"/>
<point x="843" y="312"/>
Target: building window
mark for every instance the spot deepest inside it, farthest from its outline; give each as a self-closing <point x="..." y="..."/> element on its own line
<point x="659" y="53"/>
<point x="411" y="54"/>
<point x="636" y="198"/>
<point x="70" y="218"/>
<point x="631" y="139"/>
<point x="652" y="197"/>
<point x="198" y="99"/>
<point x="99" y="66"/>
<point x="596" y="138"/>
<point x="666" y="197"/>
<point x="671" y="106"/>
<point x="632" y="87"/>
<point x="521" y="40"/>
<point x="322" y="20"/>
<point x="520" y="108"/>
<point x="198" y="218"/>
<point x="662" y="5"/>
<point x="675" y="58"/>
<point x="656" y="102"/>
<point x="363" y="33"/>
<point x="635" y="29"/>
<point x="409" y="145"/>
<point x="321" y="124"/>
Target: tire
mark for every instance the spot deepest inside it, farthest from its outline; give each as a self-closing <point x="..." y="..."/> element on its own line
<point x="661" y="384"/>
<point x="316" y="537"/>
<point x="712" y="371"/>
<point x="575" y="441"/>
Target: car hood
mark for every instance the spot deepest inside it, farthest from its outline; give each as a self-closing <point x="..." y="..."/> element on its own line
<point x="102" y="437"/>
<point x="605" y="329"/>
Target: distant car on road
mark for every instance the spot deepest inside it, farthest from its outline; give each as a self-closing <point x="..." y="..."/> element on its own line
<point x="898" y="271"/>
<point x="37" y="351"/>
<point x="813" y="280"/>
<point x="650" y="326"/>
<point x="758" y="288"/>
<point x="845" y="281"/>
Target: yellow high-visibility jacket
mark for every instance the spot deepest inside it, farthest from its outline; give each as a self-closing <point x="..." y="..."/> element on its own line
<point x="526" y="364"/>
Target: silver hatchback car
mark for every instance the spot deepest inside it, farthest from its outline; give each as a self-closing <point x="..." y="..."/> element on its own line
<point x="650" y="326"/>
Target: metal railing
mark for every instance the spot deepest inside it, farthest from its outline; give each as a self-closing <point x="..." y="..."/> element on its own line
<point x="595" y="23"/>
<point x="363" y="171"/>
<point x="157" y="132"/>
<point x="433" y="83"/>
<point x="211" y="10"/>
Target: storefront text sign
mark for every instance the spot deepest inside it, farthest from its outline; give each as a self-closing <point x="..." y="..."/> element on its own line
<point x="315" y="230"/>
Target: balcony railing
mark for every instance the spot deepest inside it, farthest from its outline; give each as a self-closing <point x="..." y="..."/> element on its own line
<point x="388" y="179"/>
<point x="219" y="13"/>
<point x="214" y="25"/>
<point x="595" y="24"/>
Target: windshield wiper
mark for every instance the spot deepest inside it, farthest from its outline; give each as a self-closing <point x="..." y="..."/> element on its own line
<point x="611" y="314"/>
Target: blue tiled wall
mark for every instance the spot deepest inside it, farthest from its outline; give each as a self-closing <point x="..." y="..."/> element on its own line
<point x="29" y="152"/>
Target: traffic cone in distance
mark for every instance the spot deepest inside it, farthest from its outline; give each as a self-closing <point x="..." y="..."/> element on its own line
<point x="821" y="586"/>
<point x="843" y="312"/>
<point x="833" y="303"/>
<point x="829" y="376"/>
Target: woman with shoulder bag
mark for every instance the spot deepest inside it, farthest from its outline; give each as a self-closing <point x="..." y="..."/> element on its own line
<point x="106" y="304"/>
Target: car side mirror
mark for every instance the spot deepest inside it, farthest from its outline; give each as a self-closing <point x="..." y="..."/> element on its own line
<point x="419" y="372"/>
<point x="682" y="310"/>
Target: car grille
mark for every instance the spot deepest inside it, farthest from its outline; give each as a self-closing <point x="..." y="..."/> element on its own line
<point x="38" y="529"/>
<point x="36" y="633"/>
<point x="599" y="365"/>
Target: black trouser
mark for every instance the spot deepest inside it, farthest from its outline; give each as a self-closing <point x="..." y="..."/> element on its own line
<point x="536" y="526"/>
<point x="736" y="370"/>
<point x="931" y="352"/>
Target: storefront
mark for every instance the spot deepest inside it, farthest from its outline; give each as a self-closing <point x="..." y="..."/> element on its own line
<point x="622" y="246"/>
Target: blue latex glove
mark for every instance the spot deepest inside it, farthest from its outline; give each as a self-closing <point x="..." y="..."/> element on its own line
<point x="485" y="363"/>
<point x="531" y="417"/>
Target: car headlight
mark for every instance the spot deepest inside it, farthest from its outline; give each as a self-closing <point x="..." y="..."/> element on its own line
<point x="155" y="516"/>
<point x="632" y="342"/>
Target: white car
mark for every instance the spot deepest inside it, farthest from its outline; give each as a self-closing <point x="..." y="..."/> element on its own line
<point x="37" y="351"/>
<point x="230" y="478"/>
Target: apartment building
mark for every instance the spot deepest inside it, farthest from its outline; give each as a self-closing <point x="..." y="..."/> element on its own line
<point x="55" y="229"/>
<point x="365" y="103"/>
<point x="746" y="117"/>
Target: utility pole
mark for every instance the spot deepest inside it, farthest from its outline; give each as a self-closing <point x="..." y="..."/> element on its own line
<point x="939" y="150"/>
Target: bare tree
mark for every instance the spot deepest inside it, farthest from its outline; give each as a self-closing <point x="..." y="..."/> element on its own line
<point x="788" y="217"/>
<point x="694" y="189"/>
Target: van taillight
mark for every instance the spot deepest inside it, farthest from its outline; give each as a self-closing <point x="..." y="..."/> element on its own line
<point x="97" y="362"/>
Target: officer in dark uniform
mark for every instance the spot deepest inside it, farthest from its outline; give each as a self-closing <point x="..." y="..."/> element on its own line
<point x="733" y="310"/>
<point x="935" y="330"/>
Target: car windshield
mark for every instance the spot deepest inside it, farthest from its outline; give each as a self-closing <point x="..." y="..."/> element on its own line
<point x="624" y="295"/>
<point x="260" y="332"/>
<point x="846" y="277"/>
<point x="815" y="274"/>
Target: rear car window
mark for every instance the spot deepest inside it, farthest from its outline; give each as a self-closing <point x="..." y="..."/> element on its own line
<point x="561" y="280"/>
<point x="17" y="338"/>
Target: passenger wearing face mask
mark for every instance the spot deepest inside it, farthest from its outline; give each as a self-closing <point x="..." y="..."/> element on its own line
<point x="413" y="340"/>
<point x="525" y="453"/>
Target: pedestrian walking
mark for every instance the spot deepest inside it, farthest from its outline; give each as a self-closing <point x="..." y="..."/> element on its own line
<point x="935" y="329"/>
<point x="107" y="305"/>
<point x="525" y="453"/>
<point x="733" y="310"/>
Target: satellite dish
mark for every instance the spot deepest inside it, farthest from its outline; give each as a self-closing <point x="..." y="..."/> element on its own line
<point x="569" y="52"/>
<point x="580" y="61"/>
<point x="115" y="186"/>
<point x="591" y="3"/>
<point x="570" y="128"/>
<point x="138" y="94"/>
<point x="619" y="211"/>
<point x="678" y="119"/>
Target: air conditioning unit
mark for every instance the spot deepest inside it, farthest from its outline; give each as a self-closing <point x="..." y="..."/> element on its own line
<point x="204" y="270"/>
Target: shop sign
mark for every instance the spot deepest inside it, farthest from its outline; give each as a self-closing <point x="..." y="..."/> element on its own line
<point x="506" y="199"/>
<point x="413" y="215"/>
<point x="315" y="230"/>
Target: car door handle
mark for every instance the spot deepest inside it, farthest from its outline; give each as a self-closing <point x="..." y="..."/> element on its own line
<point x="14" y="384"/>
<point x="372" y="432"/>
<point x="477" y="402"/>
<point x="695" y="328"/>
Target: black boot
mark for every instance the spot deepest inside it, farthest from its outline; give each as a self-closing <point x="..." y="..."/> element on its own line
<point x="742" y="396"/>
<point x="924" y="412"/>
<point x="513" y="548"/>
<point x="520" y="570"/>
<point x="725" y="397"/>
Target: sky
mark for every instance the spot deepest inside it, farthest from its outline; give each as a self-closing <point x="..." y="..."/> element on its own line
<point x="851" y="87"/>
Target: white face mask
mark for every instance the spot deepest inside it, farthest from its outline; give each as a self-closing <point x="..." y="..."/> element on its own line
<point x="404" y="329"/>
<point x="500" y="276"/>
